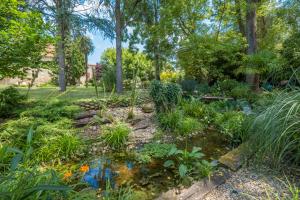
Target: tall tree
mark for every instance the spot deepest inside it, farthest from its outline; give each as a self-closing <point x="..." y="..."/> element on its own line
<point x="87" y="47"/>
<point x="252" y="78"/>
<point x="69" y="18"/>
<point x="23" y="38"/>
<point x="118" y="27"/>
<point x="62" y="26"/>
<point x="121" y="14"/>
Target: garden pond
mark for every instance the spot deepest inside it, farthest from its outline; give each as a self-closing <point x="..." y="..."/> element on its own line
<point x="115" y="170"/>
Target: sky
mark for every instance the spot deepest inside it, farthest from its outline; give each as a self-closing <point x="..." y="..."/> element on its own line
<point x="100" y="45"/>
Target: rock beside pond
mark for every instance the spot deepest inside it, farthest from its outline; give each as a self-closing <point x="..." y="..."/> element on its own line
<point x="235" y="158"/>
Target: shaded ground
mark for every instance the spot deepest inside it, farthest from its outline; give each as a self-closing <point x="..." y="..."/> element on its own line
<point x="248" y="183"/>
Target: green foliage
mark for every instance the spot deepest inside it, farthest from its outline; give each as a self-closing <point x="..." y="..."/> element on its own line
<point x="262" y="62"/>
<point x="274" y="134"/>
<point x="291" y="56"/>
<point x="187" y="163"/>
<point x="235" y="89"/>
<point x="231" y="124"/>
<point x="197" y="109"/>
<point x="241" y="91"/>
<point x="165" y="95"/>
<point x="206" y="168"/>
<point x="52" y="110"/>
<point x="75" y="59"/>
<point x="154" y="150"/>
<point x="10" y="99"/>
<point x="169" y="76"/>
<point x="32" y="184"/>
<point x="132" y="64"/>
<point x="54" y="136"/>
<point x="63" y="146"/>
<point x="189" y="126"/>
<point x="170" y="121"/>
<point x="188" y="86"/>
<point x="14" y="132"/>
<point x="175" y="122"/>
<point x="28" y="183"/>
<point x="206" y="59"/>
<point x="23" y="38"/>
<point x="117" y="135"/>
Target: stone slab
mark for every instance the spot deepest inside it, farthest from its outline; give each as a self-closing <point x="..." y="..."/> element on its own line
<point x="234" y="159"/>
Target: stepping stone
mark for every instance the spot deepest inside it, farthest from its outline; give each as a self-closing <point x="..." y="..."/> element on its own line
<point x="236" y="158"/>
<point x="87" y="114"/>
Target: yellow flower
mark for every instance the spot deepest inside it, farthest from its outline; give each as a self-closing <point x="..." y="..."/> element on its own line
<point x="84" y="168"/>
<point x="67" y="175"/>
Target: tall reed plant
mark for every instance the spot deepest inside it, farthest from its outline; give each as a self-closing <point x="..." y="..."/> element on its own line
<point x="275" y="134"/>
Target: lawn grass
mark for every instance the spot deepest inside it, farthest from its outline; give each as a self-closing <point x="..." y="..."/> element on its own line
<point x="73" y="93"/>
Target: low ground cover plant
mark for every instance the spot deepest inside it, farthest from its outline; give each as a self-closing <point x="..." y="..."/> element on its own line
<point x="10" y="100"/>
<point x="53" y="138"/>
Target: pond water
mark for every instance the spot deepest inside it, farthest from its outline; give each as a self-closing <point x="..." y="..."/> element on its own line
<point x="118" y="169"/>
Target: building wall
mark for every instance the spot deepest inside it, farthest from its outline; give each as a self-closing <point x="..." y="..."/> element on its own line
<point x="44" y="76"/>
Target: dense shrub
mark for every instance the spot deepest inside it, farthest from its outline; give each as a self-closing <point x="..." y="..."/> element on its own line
<point x="10" y="99"/>
<point x="117" y="135"/>
<point x="188" y="86"/>
<point x="274" y="134"/>
<point x="291" y="59"/>
<point x="133" y="64"/>
<point x="241" y="91"/>
<point x="233" y="88"/>
<point x="204" y="58"/>
<point x="169" y="76"/>
<point x="231" y="124"/>
<point x="203" y="88"/>
<point x="165" y="95"/>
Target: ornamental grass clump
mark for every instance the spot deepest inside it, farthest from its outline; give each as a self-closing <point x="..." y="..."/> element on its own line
<point x="274" y="133"/>
<point x="117" y="135"/>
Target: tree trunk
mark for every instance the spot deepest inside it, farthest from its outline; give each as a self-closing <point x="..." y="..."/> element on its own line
<point x="157" y="63"/>
<point x="156" y="47"/>
<point x="252" y="79"/>
<point x="86" y="69"/>
<point x="61" y="46"/>
<point x="119" y="81"/>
